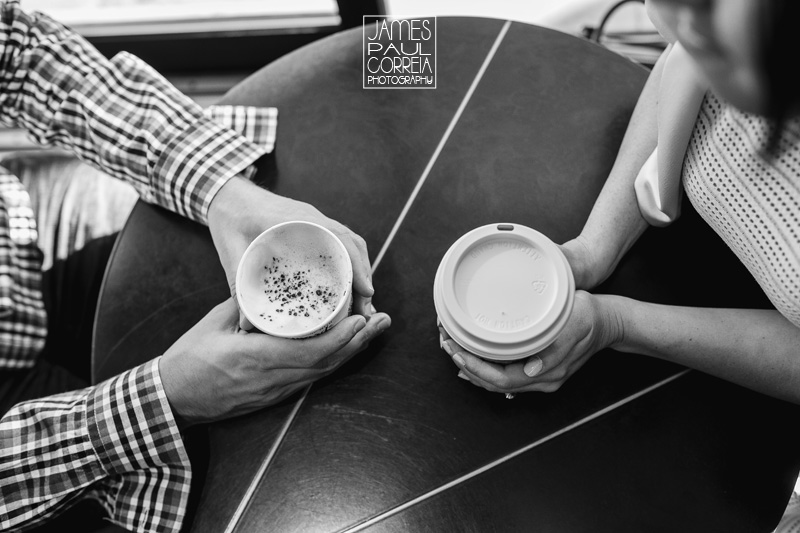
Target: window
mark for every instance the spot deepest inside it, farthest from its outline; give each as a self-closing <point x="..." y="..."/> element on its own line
<point x="200" y="36"/>
<point x="104" y="18"/>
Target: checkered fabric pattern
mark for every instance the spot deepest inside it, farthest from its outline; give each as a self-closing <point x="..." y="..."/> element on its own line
<point x="118" y="114"/>
<point x="116" y="442"/>
<point x="23" y="320"/>
<point x="790" y="522"/>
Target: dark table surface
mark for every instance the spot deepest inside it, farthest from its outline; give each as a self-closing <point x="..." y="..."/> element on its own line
<point x="394" y="441"/>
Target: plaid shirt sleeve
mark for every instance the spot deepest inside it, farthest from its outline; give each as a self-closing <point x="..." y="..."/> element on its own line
<point x="120" y="115"/>
<point x="116" y="442"/>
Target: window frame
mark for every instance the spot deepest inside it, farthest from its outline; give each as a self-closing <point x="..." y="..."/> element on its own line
<point x="229" y="51"/>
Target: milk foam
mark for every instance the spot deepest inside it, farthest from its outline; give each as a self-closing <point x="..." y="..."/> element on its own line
<point x="301" y="288"/>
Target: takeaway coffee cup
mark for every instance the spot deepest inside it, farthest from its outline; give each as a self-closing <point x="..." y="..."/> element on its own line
<point x="503" y="291"/>
<point x="295" y="280"/>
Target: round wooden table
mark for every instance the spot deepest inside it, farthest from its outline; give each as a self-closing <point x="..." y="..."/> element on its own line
<point x="394" y="441"/>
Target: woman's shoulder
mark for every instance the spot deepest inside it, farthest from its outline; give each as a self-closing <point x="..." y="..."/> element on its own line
<point x="749" y="196"/>
<point x="734" y="129"/>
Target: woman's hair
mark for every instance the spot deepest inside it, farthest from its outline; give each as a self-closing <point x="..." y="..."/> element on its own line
<point x="778" y="51"/>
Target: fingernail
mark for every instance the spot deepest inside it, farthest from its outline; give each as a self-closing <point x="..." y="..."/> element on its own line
<point x="462" y="375"/>
<point x="359" y="325"/>
<point x="458" y="360"/>
<point x="447" y="347"/>
<point x="533" y="367"/>
<point x="441" y="341"/>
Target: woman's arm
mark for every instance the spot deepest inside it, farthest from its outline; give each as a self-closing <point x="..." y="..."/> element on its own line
<point x="615" y="222"/>
<point x="758" y="349"/>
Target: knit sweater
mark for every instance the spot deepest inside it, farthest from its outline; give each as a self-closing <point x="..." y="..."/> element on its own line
<point x="751" y="199"/>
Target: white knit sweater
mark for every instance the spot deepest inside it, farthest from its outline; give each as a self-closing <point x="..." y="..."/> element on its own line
<point x="751" y="200"/>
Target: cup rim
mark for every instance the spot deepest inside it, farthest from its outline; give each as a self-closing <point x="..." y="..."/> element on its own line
<point x="343" y="300"/>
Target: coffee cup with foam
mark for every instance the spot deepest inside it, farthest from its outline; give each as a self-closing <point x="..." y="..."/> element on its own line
<point x="295" y="280"/>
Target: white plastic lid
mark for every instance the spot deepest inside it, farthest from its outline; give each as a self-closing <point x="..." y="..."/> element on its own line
<point x="504" y="291"/>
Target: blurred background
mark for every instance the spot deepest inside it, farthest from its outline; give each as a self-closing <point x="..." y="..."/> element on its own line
<point x="204" y="47"/>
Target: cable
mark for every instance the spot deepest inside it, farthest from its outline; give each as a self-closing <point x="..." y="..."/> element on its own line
<point x="597" y="32"/>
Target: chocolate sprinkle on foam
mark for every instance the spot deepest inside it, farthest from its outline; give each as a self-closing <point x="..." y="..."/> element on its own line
<point x="298" y="295"/>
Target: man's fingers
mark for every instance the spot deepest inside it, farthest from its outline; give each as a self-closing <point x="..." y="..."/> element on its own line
<point x="245" y="324"/>
<point x="334" y="359"/>
<point x="290" y="380"/>
<point x="362" y="275"/>
<point x="341" y="334"/>
<point x="316" y="359"/>
<point x="376" y="325"/>
<point x="224" y="315"/>
<point x="309" y="352"/>
<point x="363" y="306"/>
<point x="362" y="282"/>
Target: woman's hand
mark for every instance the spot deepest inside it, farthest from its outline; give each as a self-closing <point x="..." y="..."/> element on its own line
<point x="588" y="269"/>
<point x="589" y="329"/>
<point x="216" y="370"/>
<point x="241" y="210"/>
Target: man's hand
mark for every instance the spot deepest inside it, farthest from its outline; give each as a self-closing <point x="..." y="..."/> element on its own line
<point x="240" y="211"/>
<point x="216" y="371"/>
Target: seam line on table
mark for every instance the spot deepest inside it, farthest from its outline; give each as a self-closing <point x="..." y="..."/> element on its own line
<point x="512" y="455"/>
<point x="442" y="142"/>
<point x="265" y="464"/>
<point x="237" y="515"/>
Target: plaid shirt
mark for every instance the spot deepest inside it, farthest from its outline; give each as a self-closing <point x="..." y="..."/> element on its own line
<point x="116" y="442"/>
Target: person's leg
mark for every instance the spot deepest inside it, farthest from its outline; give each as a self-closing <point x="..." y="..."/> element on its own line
<point x="44" y="379"/>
